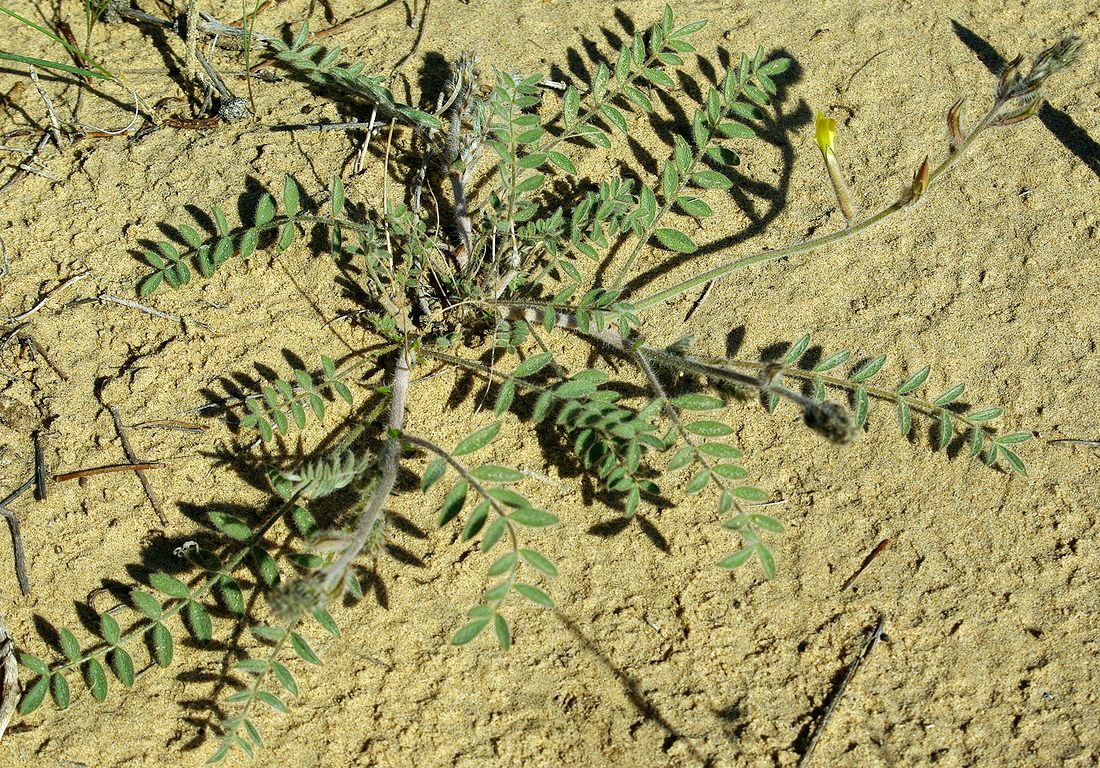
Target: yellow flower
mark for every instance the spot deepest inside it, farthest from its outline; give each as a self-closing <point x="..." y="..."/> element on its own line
<point x="825" y="134"/>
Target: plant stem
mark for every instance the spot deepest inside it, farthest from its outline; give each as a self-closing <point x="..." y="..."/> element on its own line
<point x="388" y="460"/>
<point x="724" y="270"/>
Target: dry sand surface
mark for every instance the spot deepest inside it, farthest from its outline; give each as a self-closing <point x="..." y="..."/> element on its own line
<point x="655" y="657"/>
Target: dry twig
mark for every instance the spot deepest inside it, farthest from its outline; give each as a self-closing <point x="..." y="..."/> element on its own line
<point x="133" y="460"/>
<point x="872" y="641"/>
<point x="16" y="537"/>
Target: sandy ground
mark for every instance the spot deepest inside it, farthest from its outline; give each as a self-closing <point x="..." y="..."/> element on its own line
<point x="655" y="656"/>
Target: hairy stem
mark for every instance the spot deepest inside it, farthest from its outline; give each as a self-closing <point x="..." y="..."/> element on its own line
<point x="724" y="270"/>
<point x="388" y="460"/>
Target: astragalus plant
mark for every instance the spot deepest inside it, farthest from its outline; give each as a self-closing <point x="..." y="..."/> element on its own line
<point x="482" y="246"/>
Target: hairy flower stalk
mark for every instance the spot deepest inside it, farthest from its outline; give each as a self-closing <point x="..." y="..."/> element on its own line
<point x="1017" y="97"/>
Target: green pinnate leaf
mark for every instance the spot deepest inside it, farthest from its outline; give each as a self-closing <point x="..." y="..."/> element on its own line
<point x="730" y="472"/>
<point x="681" y="458"/>
<point x="290" y="195"/>
<point x="253" y="666"/>
<point x="985" y="414"/>
<point x="950" y="395"/>
<point x="774" y="67"/>
<point x="505" y="397"/>
<point x="500" y="628"/>
<point x="324" y="618"/>
<point x="435" y="470"/>
<point x="231" y="595"/>
<point x="190" y="235"/>
<point x="268" y="633"/>
<point x="914" y="381"/>
<point x="862" y="407"/>
<point x="493" y="473"/>
<point x="96" y="679"/>
<point x="60" y="689"/>
<point x="150" y="284"/>
<point x="34" y="664"/>
<point x="287" y="233"/>
<point x="250" y="238"/>
<point x="738" y="558"/>
<point x="615" y="117"/>
<point x="169" y="585"/>
<point x="231" y="526"/>
<point x="265" y="565"/>
<point x="33" y="696"/>
<point x="146" y="603"/>
<point x="977" y="440"/>
<point x="469" y="632"/>
<point x="265" y="210"/>
<point x="832" y="361"/>
<point x="539" y="562"/>
<point x="697" y="402"/>
<point x="499" y="592"/>
<point x="282" y="674"/>
<point x="944" y="430"/>
<point x="253" y="734"/>
<point x="171" y="253"/>
<point x="532" y="365"/>
<point x="198" y="619"/>
<point x="530" y="184"/>
<point x="273" y="701"/>
<point x="162" y="645"/>
<point x="477" y="440"/>
<point x="797" y="350"/>
<point x="1013" y="460"/>
<point x="720" y="450"/>
<point x="905" y="417"/>
<point x="562" y="162"/>
<point x="70" y="646"/>
<point x="698" y="482"/>
<point x="670" y="182"/>
<point x="767" y="560"/>
<point x="571" y="103"/>
<point x="675" y="240"/>
<point x="748" y="493"/>
<point x="767" y="523"/>
<point x="542" y="407"/>
<point x="337" y="203"/>
<point x="708" y="428"/>
<point x="509" y="498"/>
<point x="693" y="206"/>
<point x="476" y="521"/>
<point x="301" y="647"/>
<point x="532" y="518"/>
<point x="453" y="503"/>
<point x="493" y="533"/>
<point x="724" y="156"/>
<point x="109" y="629"/>
<point x="535" y="595"/>
<point x="868" y="369"/>
<point x="122" y="664"/>
<point x="707" y="179"/>
<point x="221" y="222"/>
<point x="503" y="564"/>
<point x="734" y="130"/>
